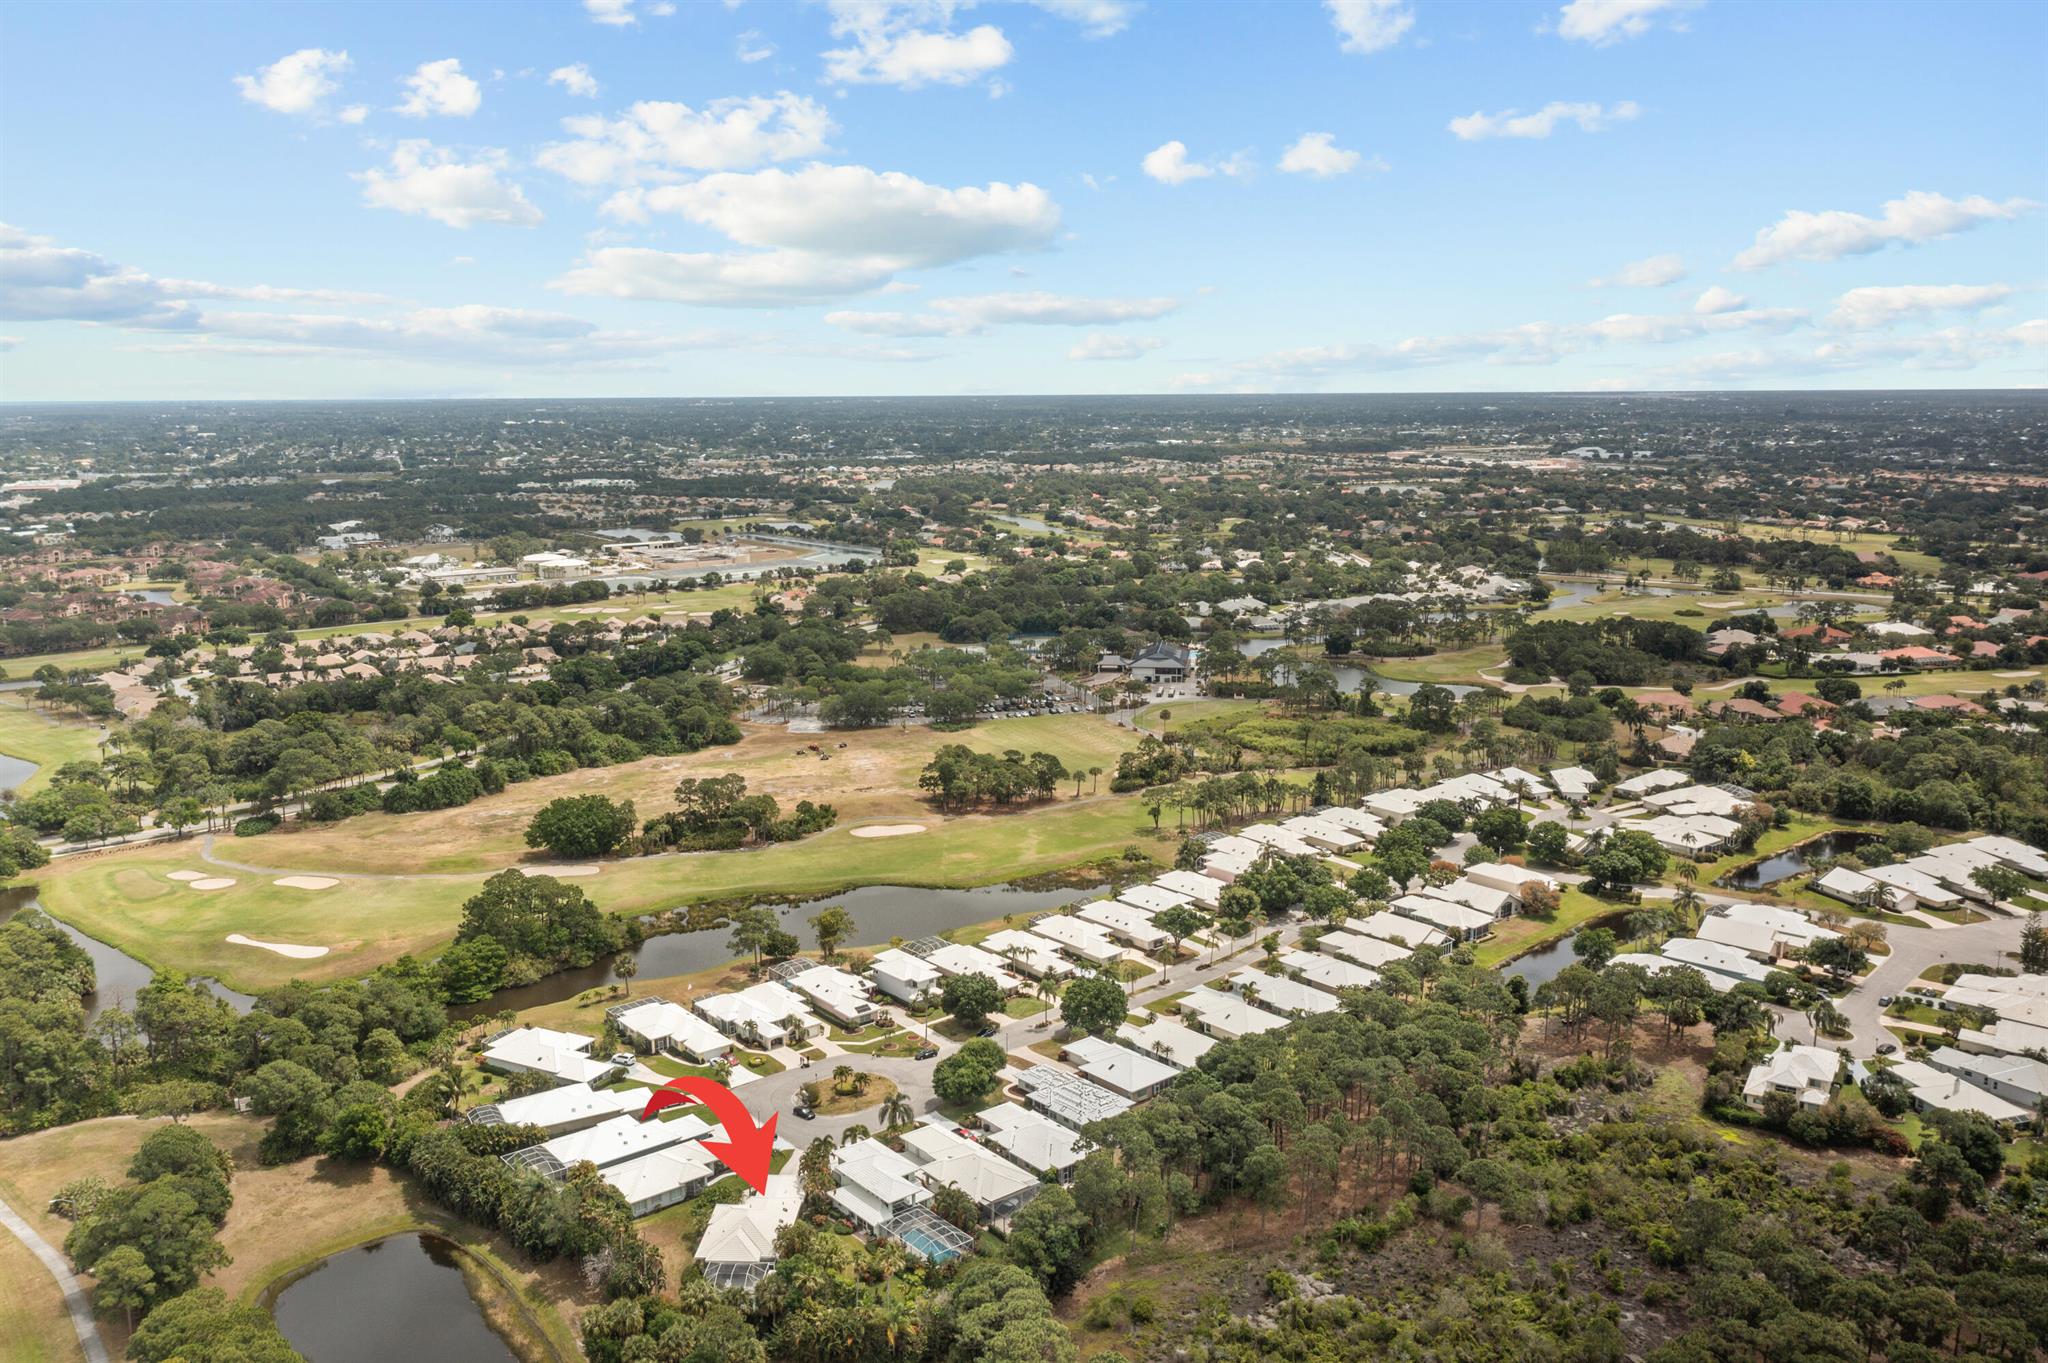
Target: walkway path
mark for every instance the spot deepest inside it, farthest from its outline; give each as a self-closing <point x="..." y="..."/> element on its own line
<point x="75" y="1300"/>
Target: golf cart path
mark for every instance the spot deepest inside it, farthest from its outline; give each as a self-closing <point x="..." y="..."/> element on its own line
<point x="67" y="1283"/>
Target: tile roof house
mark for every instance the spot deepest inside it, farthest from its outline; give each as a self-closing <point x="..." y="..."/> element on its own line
<point x="1806" y="1072"/>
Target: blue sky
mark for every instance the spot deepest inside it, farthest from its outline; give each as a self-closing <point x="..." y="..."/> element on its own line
<point x="627" y="197"/>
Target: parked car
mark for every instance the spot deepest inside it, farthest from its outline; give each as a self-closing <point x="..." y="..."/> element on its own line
<point x="805" y="1111"/>
<point x="1887" y="1048"/>
<point x="927" y="1052"/>
<point x="1884" y="1000"/>
<point x="624" y="1059"/>
<point x="987" y="1029"/>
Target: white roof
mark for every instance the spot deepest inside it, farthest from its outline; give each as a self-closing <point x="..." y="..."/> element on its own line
<point x="1192" y="885"/>
<point x="912" y="970"/>
<point x="1279" y="994"/>
<point x="1917" y="883"/>
<point x="1845" y="884"/>
<point x="1227" y="1013"/>
<point x="1357" y="820"/>
<point x="1489" y="900"/>
<point x="623" y="1138"/>
<point x="1123" y="920"/>
<point x="1443" y="913"/>
<point x="1328" y="972"/>
<point x="744" y="1232"/>
<point x="1312" y="829"/>
<point x="1515" y="776"/>
<point x="946" y="1157"/>
<point x="2014" y="853"/>
<point x="1118" y="1067"/>
<point x="1278" y="839"/>
<point x="562" y="1054"/>
<point x="1753" y="939"/>
<point x="1939" y="1089"/>
<point x="568" y="1105"/>
<point x="1033" y="954"/>
<point x="1713" y="958"/>
<point x="878" y="1172"/>
<point x="1031" y="1138"/>
<point x="955" y="959"/>
<point x="1695" y="800"/>
<point x="1184" y="1045"/>
<point x="2018" y="1072"/>
<point x="836" y="987"/>
<point x="1808" y="1071"/>
<point x="660" y="1171"/>
<point x="1150" y="899"/>
<point x="1788" y="925"/>
<point x="1367" y="951"/>
<point x="661" y="1021"/>
<point x="1573" y="780"/>
<point x="1083" y="938"/>
<point x="1664" y="778"/>
<point x="1392" y="927"/>
<point x="1501" y="876"/>
<point x="1232" y="845"/>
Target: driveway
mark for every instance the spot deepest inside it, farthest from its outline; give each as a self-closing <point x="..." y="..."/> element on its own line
<point x="1913" y="950"/>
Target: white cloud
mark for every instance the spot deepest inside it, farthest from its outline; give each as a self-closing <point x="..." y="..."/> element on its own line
<point x="973" y="314"/>
<point x="435" y="182"/>
<point x="656" y="139"/>
<point x="1651" y="272"/>
<point x="616" y="13"/>
<point x="9" y="342"/>
<point x="1916" y="217"/>
<point x="1589" y="117"/>
<point x="909" y="43"/>
<point x="751" y="46"/>
<point x="354" y="113"/>
<point x="295" y="84"/>
<point x="1103" y="346"/>
<point x="1319" y="155"/>
<point x="1882" y="305"/>
<point x="1368" y="26"/>
<point x="1097" y="18"/>
<point x="1601" y="22"/>
<point x="1950" y="349"/>
<point x="1168" y="163"/>
<point x="820" y="233"/>
<point x="576" y="79"/>
<point x="1716" y="298"/>
<point x="441" y="88"/>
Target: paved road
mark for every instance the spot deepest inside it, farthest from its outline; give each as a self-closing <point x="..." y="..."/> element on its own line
<point x="1913" y="950"/>
<point x="75" y="1300"/>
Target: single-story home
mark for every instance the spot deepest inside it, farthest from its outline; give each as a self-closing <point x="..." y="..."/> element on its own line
<point x="1178" y="1046"/>
<point x="954" y="959"/>
<point x="1465" y="923"/>
<point x="1028" y="952"/>
<point x="767" y="1014"/>
<point x="1226" y="1015"/>
<point x="659" y="1025"/>
<point x="1203" y="890"/>
<point x="1079" y="938"/>
<point x="1066" y="1097"/>
<point x="1134" y="1074"/>
<point x="737" y="1248"/>
<point x="562" y="1056"/>
<point x="1940" y="1090"/>
<point x="1371" y="952"/>
<point x="904" y="977"/>
<point x="1032" y="1140"/>
<point x="1806" y="1072"/>
<point x="1278" y="994"/>
<point x="1400" y="930"/>
<point x="1124" y="922"/>
<point x="2017" y="1079"/>
<point x="945" y="1158"/>
<point x="839" y="996"/>
<point x="561" y="1110"/>
<point x="1329" y="973"/>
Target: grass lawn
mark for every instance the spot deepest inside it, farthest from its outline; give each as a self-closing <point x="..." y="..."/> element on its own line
<point x="33" y="1325"/>
<point x="36" y="735"/>
<point x="835" y="1104"/>
<point x="1514" y="936"/>
<point x="124" y="898"/>
<point x="1152" y="717"/>
<point x="283" y="1218"/>
<point x="1024" y="1006"/>
<point x="899" y="1044"/>
<point x="1461" y="665"/>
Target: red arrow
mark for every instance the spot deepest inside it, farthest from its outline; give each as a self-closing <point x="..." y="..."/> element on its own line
<point x="747" y="1149"/>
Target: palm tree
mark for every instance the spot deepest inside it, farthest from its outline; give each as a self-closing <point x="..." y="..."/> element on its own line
<point x="1095" y="779"/>
<point x="842" y="1076"/>
<point x="626" y="966"/>
<point x="853" y="1133"/>
<point x="895" y="1110"/>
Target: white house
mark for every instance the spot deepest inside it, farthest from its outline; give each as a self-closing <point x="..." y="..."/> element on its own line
<point x="767" y="1014"/>
<point x="658" y="1025"/>
<point x="905" y="977"/>
<point x="558" y="1111"/>
<point x="1371" y="952"/>
<point x="562" y="1056"/>
<point x="1496" y="875"/>
<point x="1573" y="783"/>
<point x="1327" y="972"/>
<point x="1853" y="887"/>
<point x="1153" y="898"/>
<point x="738" y="1245"/>
<point x="661" y="1178"/>
<point x="1279" y="839"/>
<point x="1711" y="959"/>
<point x="1032" y="1140"/>
<point x="1178" y="1046"/>
<point x="1806" y="1072"/>
<point x="1473" y="895"/>
<point x="945" y="1158"/>
<point x="955" y="959"/>
<point x="1029" y="953"/>
<point x="1124" y="922"/>
<point x="1465" y="924"/>
<point x="1066" y="1097"/>
<point x="1684" y="800"/>
<point x="875" y="1183"/>
<point x="1226" y="1015"/>
<point x="1324" y="834"/>
<point x="1664" y="778"/>
<point x="1134" y="1074"/>
<point x="1079" y="938"/>
<point x="1946" y="1092"/>
<point x="1687" y="835"/>
<point x="1203" y="890"/>
<point x="836" y="994"/>
<point x="1278" y="994"/>
<point x="1357" y="820"/>
<point x="1406" y="932"/>
<point x="2015" y="1079"/>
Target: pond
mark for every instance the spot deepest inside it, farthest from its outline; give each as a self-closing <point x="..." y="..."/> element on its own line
<point x="880" y="912"/>
<point x="15" y="771"/>
<point x="400" y="1298"/>
<point x="120" y="977"/>
<point x="1543" y="964"/>
<point x="1792" y="861"/>
<point x="1349" y="675"/>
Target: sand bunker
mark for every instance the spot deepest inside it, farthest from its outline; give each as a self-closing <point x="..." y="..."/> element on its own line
<point x="186" y="875"/>
<point x="1722" y="605"/>
<point x="563" y="871"/>
<point x="281" y="948"/>
<point x="306" y="882"/>
<point x="888" y="830"/>
<point x="2012" y="674"/>
<point x="214" y="883"/>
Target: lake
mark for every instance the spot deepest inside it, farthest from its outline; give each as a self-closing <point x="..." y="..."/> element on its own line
<point x="880" y="912"/>
<point x="1792" y="861"/>
<point x="1544" y="964"/>
<point x="15" y="771"/>
<point x="120" y="977"/>
<point x="400" y="1298"/>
